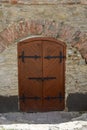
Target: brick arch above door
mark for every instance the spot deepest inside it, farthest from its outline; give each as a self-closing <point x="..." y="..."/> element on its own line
<point x="45" y="28"/>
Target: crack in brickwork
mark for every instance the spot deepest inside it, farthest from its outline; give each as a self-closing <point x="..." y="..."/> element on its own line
<point x="70" y="35"/>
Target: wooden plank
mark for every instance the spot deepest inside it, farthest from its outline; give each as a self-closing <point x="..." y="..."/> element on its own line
<point x="30" y="68"/>
<point x="53" y="68"/>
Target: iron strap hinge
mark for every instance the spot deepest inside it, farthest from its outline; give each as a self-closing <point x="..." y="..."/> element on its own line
<point x="23" y="98"/>
<point x="59" y="97"/>
<point x="61" y="57"/>
<point x="22" y="56"/>
<point x="42" y="78"/>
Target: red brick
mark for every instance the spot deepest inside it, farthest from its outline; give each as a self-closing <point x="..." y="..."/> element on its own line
<point x="84" y="2"/>
<point x="13" y="1"/>
<point x="3" y="44"/>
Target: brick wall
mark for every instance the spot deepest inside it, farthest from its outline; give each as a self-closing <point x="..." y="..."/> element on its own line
<point x="45" y="1"/>
<point x="64" y="20"/>
<point x="62" y="31"/>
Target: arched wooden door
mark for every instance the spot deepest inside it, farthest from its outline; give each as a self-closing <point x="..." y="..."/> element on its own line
<point x="41" y="74"/>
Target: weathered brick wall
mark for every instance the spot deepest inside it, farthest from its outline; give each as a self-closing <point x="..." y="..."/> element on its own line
<point x="45" y="1"/>
<point x="62" y="19"/>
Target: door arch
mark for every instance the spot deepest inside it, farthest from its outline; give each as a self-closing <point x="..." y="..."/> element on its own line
<point x="41" y="74"/>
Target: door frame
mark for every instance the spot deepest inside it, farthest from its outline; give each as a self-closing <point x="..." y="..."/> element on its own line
<point x="61" y="43"/>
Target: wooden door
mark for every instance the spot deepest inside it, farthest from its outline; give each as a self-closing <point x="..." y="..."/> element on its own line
<point x="53" y="66"/>
<point x="41" y="69"/>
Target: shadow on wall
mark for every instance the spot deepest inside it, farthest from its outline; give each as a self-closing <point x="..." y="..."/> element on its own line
<point x="8" y="104"/>
<point x="75" y="102"/>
